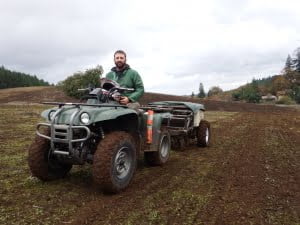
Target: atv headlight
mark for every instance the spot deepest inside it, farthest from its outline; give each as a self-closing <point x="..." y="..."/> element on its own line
<point x="51" y="115"/>
<point x="85" y="118"/>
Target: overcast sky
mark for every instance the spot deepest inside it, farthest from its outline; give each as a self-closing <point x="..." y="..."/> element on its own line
<point x="174" y="45"/>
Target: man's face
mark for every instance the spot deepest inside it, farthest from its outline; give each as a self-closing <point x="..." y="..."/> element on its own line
<point x="120" y="60"/>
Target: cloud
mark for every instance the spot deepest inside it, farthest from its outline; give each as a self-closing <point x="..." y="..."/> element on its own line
<point x="174" y="45"/>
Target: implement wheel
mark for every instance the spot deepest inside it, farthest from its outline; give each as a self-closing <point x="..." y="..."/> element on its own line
<point x="161" y="156"/>
<point x="203" y="134"/>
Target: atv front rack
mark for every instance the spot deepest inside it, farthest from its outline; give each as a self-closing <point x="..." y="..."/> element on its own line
<point x="63" y="134"/>
<point x="60" y="133"/>
<point x="60" y="104"/>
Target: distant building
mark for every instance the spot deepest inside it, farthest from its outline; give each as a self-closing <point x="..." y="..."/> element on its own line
<point x="269" y="98"/>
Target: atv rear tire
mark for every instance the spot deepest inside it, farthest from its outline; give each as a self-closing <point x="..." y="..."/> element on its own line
<point x="39" y="163"/>
<point x="161" y="156"/>
<point x="114" y="162"/>
<point x="203" y="134"/>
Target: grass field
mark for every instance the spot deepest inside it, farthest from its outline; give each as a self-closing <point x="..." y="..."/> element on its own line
<point x="25" y="199"/>
<point x="249" y="175"/>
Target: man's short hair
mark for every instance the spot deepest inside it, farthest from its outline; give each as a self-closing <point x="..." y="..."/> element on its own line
<point x="120" y="52"/>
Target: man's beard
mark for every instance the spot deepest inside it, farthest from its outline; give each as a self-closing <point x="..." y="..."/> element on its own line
<point x="120" y="65"/>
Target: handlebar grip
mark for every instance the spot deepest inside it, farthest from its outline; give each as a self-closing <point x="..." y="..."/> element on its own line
<point x="126" y="89"/>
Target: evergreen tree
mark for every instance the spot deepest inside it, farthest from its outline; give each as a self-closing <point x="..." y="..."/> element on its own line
<point x="11" y="79"/>
<point x="297" y="60"/>
<point x="193" y="95"/>
<point x="288" y="64"/>
<point x="201" y="93"/>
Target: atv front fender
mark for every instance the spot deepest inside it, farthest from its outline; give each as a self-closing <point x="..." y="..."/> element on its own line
<point x="112" y="114"/>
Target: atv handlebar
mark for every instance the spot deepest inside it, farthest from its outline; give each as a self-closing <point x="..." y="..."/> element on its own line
<point x="121" y="89"/>
<point x="126" y="89"/>
<point x="111" y="90"/>
<point x="103" y="95"/>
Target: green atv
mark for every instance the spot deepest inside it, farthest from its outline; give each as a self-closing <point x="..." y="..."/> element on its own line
<point x="110" y="136"/>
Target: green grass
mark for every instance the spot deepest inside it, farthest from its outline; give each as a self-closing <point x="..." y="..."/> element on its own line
<point x="177" y="193"/>
<point x="24" y="199"/>
<point x="27" y="200"/>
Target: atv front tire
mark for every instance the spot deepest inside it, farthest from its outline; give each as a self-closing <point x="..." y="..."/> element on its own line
<point x="203" y="134"/>
<point x="162" y="155"/>
<point x="39" y="163"/>
<point x="114" y="162"/>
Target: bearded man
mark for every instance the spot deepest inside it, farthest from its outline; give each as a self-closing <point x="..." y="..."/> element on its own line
<point x="128" y="78"/>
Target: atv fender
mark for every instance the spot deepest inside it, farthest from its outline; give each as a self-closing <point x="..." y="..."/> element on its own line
<point x="97" y="114"/>
<point x="159" y="120"/>
<point x="112" y="114"/>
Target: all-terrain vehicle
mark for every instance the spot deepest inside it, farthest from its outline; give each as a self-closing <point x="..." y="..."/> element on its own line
<point x="110" y="136"/>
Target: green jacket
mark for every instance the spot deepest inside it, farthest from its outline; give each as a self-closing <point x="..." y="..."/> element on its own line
<point x="128" y="78"/>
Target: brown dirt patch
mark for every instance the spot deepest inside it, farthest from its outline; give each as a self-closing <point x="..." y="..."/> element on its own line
<point x="212" y="105"/>
<point x="33" y="95"/>
<point x="250" y="174"/>
<point x="29" y="95"/>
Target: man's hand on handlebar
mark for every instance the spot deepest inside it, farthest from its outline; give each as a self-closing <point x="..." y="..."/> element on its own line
<point x="124" y="100"/>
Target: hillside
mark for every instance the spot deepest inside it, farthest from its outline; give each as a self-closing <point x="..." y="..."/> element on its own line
<point x="54" y="94"/>
<point x="286" y="84"/>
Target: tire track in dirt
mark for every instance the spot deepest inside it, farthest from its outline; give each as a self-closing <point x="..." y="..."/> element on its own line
<point x="245" y="189"/>
<point x="238" y="187"/>
<point x="148" y="181"/>
<point x="232" y="163"/>
<point x="250" y="175"/>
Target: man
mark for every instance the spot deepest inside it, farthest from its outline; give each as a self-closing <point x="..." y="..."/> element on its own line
<point x="128" y="78"/>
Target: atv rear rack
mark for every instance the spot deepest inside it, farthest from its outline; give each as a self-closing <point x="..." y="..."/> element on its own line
<point x="179" y="120"/>
<point x="158" y="108"/>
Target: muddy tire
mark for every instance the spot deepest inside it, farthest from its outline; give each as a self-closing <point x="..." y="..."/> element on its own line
<point x="203" y="134"/>
<point x="161" y="156"/>
<point x="114" y="162"/>
<point x="39" y="163"/>
<point x="180" y="143"/>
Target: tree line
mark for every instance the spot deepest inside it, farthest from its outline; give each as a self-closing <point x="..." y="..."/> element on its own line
<point x="214" y="90"/>
<point x="286" y="84"/>
<point x="12" y="79"/>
